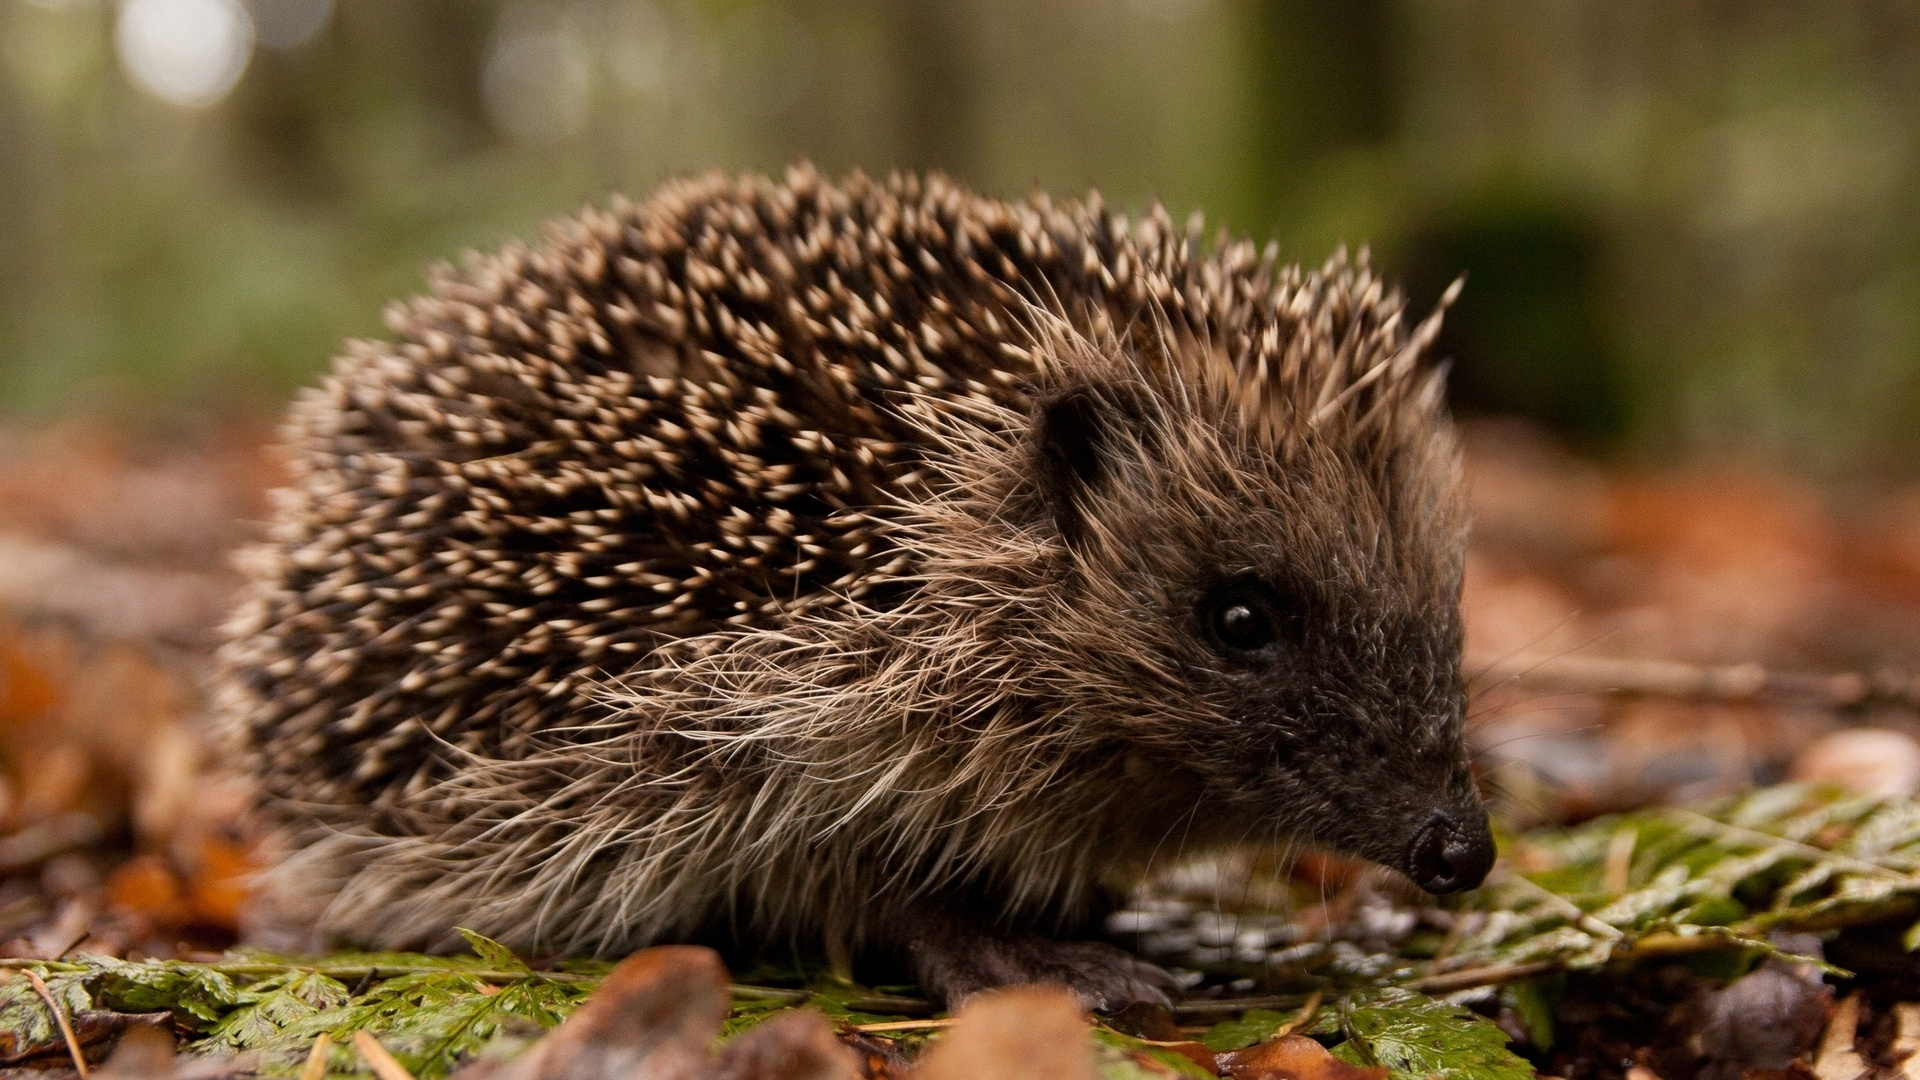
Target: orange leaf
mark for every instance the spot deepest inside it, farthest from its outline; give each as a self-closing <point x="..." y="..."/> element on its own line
<point x="1293" y="1057"/>
<point x="26" y="694"/>
<point x="219" y="885"/>
<point x="146" y="885"/>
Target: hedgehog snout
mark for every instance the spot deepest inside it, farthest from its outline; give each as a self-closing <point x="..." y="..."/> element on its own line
<point x="1452" y="851"/>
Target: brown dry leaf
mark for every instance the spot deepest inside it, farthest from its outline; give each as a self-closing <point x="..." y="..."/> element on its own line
<point x="1735" y="562"/>
<point x="95" y="1030"/>
<point x="1147" y="1020"/>
<point x="1293" y="1057"/>
<point x="1019" y="1033"/>
<point x="1194" y="1052"/>
<point x="1877" y="762"/>
<point x="27" y="695"/>
<point x="89" y="727"/>
<point x="655" y="1015"/>
<point x="1766" y="1019"/>
<point x="147" y="887"/>
<point x="1837" y="1059"/>
<point x="876" y="1057"/>
<point x="217" y="890"/>
<point x="144" y="1053"/>
<point x="1904" y="1050"/>
<point x="795" y="1045"/>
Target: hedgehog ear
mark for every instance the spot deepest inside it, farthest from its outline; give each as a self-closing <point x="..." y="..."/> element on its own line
<point x="1074" y="432"/>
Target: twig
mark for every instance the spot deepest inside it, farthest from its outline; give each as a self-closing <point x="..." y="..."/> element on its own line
<point x="59" y="1017"/>
<point x="1619" y="861"/>
<point x="1454" y="933"/>
<point x="1302" y="1018"/>
<point x="879" y="1003"/>
<point x="1666" y="678"/>
<point x="1234" y="1005"/>
<point x="904" y="1025"/>
<point x="899" y="1006"/>
<point x="382" y="1063"/>
<point x="1566" y="908"/>
<point x="1474" y="978"/>
<point x="316" y="1066"/>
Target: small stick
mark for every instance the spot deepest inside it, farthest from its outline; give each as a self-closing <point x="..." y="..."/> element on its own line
<point x="1451" y="942"/>
<point x="1302" y="1018"/>
<point x="1474" y="978"/>
<point x="1619" y="861"/>
<point x="1566" y="908"/>
<point x="316" y="1066"/>
<point x="1234" y="1005"/>
<point x="1665" y="678"/>
<point x="904" y="1025"/>
<point x="377" y="1058"/>
<point x="59" y="1017"/>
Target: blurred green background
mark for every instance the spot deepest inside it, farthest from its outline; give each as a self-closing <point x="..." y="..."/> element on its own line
<point x="1688" y="228"/>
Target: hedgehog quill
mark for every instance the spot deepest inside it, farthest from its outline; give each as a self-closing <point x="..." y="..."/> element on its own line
<point x="871" y="568"/>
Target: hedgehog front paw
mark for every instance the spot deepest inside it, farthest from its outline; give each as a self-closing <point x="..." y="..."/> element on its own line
<point x="1103" y="977"/>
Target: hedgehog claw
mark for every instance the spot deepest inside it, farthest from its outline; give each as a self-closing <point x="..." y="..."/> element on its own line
<point x="1104" y="978"/>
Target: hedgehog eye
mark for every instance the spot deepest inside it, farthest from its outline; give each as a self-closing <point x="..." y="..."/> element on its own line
<point x="1243" y="627"/>
<point x="1245" y="619"/>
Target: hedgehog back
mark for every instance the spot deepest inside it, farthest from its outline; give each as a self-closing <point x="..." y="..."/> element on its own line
<point x="666" y="419"/>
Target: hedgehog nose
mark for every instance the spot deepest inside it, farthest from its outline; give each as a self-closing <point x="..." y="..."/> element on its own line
<point x="1449" y="855"/>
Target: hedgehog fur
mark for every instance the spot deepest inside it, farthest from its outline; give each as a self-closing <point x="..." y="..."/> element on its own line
<point x="874" y="567"/>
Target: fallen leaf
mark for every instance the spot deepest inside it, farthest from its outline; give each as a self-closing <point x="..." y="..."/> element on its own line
<point x="796" y="1045"/>
<point x="1147" y="1020"/>
<point x="27" y="694"/>
<point x="1019" y="1033"/>
<point x="143" y="1053"/>
<point x="655" y="1015"/>
<point x="1875" y="762"/>
<point x="1292" y="1057"/>
<point x="1193" y="1051"/>
<point x="218" y="888"/>
<point x="1766" y="1019"/>
<point x="146" y="886"/>
<point x="1837" y="1059"/>
<point x="875" y="1057"/>
<point x="1904" y="1050"/>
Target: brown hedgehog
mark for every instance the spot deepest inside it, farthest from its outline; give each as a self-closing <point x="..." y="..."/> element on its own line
<point x="875" y="569"/>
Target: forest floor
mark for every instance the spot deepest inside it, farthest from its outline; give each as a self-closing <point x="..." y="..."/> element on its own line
<point x="1636" y="639"/>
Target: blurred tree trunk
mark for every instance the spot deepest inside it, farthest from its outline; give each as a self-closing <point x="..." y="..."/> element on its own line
<point x="937" y="100"/>
<point x="1321" y="77"/>
<point x="293" y="114"/>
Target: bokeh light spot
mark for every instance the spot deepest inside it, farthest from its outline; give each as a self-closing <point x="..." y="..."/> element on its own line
<point x="187" y="52"/>
<point x="538" y="80"/>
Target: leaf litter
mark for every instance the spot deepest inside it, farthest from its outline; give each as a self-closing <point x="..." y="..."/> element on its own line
<point x="1653" y="646"/>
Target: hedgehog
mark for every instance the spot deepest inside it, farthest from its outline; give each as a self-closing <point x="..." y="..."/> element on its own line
<point x="873" y="569"/>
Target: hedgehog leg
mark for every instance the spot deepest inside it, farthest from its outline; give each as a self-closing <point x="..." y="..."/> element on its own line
<point x="954" y="958"/>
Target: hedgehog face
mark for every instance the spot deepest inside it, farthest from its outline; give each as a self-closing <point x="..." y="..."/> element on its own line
<point x="1301" y="613"/>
